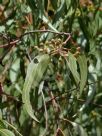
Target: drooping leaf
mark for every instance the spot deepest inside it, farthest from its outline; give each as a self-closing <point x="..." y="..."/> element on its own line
<point x="34" y="75"/>
<point x="72" y="64"/>
<point x="6" y="132"/>
<point x="92" y="78"/>
<point x="10" y="125"/>
<point x="82" y="61"/>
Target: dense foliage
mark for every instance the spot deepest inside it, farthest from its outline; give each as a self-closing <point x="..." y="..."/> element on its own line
<point x="50" y="67"/>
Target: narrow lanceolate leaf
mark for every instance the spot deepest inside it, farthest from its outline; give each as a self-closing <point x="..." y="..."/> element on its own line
<point x="34" y="75"/>
<point x="48" y="23"/>
<point x="72" y="64"/>
<point x="6" y="132"/>
<point x="11" y="126"/>
<point x="82" y="61"/>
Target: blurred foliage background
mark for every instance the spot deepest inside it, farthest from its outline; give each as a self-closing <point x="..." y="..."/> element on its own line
<point x="67" y="100"/>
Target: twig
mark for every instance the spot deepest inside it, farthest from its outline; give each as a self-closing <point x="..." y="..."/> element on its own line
<point x="44" y="31"/>
<point x="36" y="31"/>
<point x="12" y="43"/>
<point x="54" y="103"/>
<point x="58" y="97"/>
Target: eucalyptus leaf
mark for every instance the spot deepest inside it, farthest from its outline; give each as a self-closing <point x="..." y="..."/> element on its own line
<point x="49" y="24"/>
<point x="11" y="126"/>
<point x="72" y="64"/>
<point x="34" y="75"/>
<point x="82" y="61"/>
<point x="6" y="132"/>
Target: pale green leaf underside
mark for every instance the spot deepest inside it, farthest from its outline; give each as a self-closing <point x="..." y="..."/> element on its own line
<point x="34" y="75"/>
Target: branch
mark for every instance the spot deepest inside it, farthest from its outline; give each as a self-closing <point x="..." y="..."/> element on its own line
<point x="11" y="43"/>
<point x="36" y="31"/>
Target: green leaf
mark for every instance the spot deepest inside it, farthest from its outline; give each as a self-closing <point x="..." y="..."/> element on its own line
<point x="1" y="124"/>
<point x="34" y="75"/>
<point x="68" y="2"/>
<point x="2" y="28"/>
<point x="14" y="70"/>
<point x="60" y="11"/>
<point x="78" y="129"/>
<point x="48" y="23"/>
<point x="54" y="4"/>
<point x="82" y="61"/>
<point x="5" y="132"/>
<point x="10" y="125"/>
<point x="73" y="67"/>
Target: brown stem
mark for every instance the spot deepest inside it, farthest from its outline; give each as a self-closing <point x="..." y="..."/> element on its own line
<point x="12" y="43"/>
<point x="36" y="31"/>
